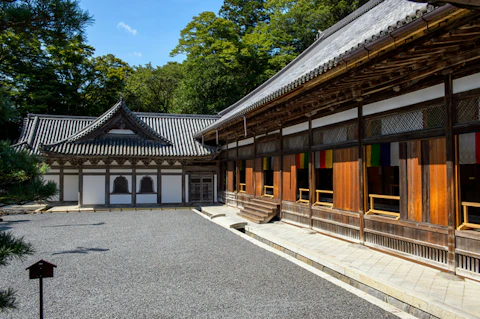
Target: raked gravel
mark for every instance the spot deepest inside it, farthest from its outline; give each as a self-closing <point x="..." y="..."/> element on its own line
<point x="163" y="264"/>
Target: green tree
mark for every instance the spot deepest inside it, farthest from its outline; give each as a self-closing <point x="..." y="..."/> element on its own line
<point x="21" y="176"/>
<point x="245" y="14"/>
<point x="45" y="64"/>
<point x="11" y="248"/>
<point x="208" y="87"/>
<point x="152" y="89"/>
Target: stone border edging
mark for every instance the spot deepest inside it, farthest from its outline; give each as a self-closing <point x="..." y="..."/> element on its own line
<point x="415" y="306"/>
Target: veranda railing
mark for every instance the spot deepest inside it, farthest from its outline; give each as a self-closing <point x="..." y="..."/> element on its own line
<point x="372" y="209"/>
<point x="243" y="186"/>
<point x="265" y="187"/>
<point x="317" y="198"/>
<point x="301" y="200"/>
<point x="466" y="224"/>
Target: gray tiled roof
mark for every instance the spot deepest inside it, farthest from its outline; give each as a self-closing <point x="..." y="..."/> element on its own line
<point x="59" y="134"/>
<point x="375" y="19"/>
<point x="120" y="107"/>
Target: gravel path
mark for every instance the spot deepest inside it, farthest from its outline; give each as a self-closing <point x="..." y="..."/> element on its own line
<point x="164" y="264"/>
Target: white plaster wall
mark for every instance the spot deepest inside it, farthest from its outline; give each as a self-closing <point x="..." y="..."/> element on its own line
<point x="171" y="189"/>
<point x="147" y="170"/>
<point x="295" y="128"/>
<point x="120" y="170"/>
<point x="169" y="170"/>
<point x="70" y="188"/>
<point x="146" y="198"/>
<point x="466" y="83"/>
<point x="153" y="177"/>
<point x="246" y="141"/>
<point x="232" y="145"/>
<point x="335" y="118"/>
<point x="423" y="95"/>
<point x="93" y="190"/>
<point x="56" y="179"/>
<point x="120" y="199"/>
<point x="94" y="170"/>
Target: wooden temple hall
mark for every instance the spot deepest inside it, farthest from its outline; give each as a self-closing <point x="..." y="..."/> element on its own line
<point x="371" y="135"/>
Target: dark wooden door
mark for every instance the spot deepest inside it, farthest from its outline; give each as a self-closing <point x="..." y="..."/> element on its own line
<point x="201" y="189"/>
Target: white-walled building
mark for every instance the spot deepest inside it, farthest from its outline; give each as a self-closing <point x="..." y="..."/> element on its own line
<point x="124" y="158"/>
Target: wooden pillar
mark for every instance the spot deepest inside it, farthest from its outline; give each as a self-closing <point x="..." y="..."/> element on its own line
<point x="134" y="184"/>
<point x="361" y="173"/>
<point x="184" y="186"/>
<point x="107" y="184"/>
<point x="254" y="177"/>
<point x="280" y="191"/>
<point x="80" y="186"/>
<point x="237" y="173"/>
<point x="311" y="172"/>
<point x="61" y="182"/>
<point x="450" y="149"/>
<point x="159" y="184"/>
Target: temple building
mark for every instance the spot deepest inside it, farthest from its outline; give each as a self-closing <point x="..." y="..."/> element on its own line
<point x="371" y="135"/>
<point x="124" y="158"/>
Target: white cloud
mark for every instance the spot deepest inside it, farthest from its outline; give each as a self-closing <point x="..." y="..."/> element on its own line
<point x="126" y="27"/>
<point x="139" y="54"/>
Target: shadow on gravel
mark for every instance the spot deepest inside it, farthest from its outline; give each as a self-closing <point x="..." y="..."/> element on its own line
<point x="6" y="225"/>
<point x="81" y="250"/>
<point x="75" y="225"/>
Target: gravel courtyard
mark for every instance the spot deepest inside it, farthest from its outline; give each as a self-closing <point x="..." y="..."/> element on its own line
<point x="164" y="264"/>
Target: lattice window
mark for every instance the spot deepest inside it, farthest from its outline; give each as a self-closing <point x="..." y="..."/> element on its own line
<point x="146" y="185"/>
<point x="120" y="185"/>
<point x="429" y="117"/>
<point x="268" y="147"/>
<point x="335" y="135"/>
<point x="468" y="110"/>
<point x="295" y="142"/>
<point x="245" y="151"/>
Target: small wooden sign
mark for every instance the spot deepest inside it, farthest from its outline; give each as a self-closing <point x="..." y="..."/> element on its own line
<point x="41" y="269"/>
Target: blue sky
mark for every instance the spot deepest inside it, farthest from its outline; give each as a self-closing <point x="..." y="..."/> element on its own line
<point x="141" y="31"/>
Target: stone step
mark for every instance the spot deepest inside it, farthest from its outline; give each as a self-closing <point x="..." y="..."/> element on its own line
<point x="265" y="203"/>
<point x="251" y="218"/>
<point x="255" y="212"/>
<point x="263" y="209"/>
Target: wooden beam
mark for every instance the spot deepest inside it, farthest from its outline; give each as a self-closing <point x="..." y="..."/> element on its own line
<point x="449" y="136"/>
<point x="361" y="173"/>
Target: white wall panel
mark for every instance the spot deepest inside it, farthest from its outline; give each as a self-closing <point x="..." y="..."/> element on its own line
<point x="93" y="190"/>
<point x="423" y="95"/>
<point x="94" y="170"/>
<point x="70" y="188"/>
<point x="335" y="118"/>
<point x="171" y="189"/>
<point x="146" y="198"/>
<point x="168" y="170"/>
<point x="466" y="83"/>
<point x="295" y="128"/>
<point x="120" y="199"/>
<point x="245" y="142"/>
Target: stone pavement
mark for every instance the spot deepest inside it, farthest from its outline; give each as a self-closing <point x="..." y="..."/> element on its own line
<point x="420" y="290"/>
